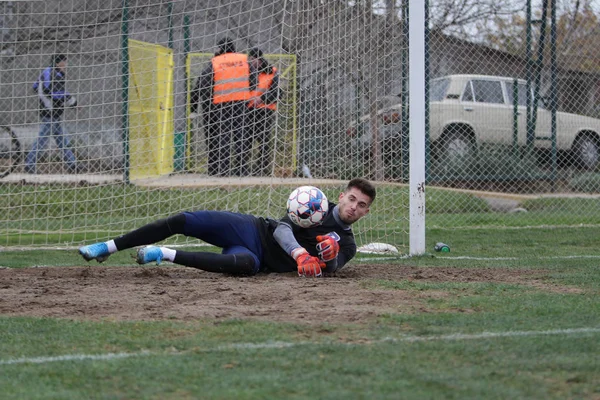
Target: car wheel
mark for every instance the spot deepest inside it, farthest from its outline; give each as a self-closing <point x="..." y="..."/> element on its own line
<point x="586" y="152"/>
<point x="457" y="147"/>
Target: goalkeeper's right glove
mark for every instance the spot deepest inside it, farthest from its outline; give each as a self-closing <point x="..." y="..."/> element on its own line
<point x="328" y="247"/>
<point x="307" y="264"/>
<point x="193" y="116"/>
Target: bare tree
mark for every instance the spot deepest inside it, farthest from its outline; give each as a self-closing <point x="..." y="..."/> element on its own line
<point x="459" y="17"/>
<point x="577" y="34"/>
<point x="347" y="45"/>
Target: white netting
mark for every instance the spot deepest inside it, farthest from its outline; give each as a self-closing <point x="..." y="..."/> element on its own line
<point x="513" y="107"/>
<point x="132" y="66"/>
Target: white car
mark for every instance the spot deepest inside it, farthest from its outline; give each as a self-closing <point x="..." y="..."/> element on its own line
<point x="468" y="110"/>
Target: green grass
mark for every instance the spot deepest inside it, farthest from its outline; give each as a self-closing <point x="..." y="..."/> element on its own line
<point x="206" y="359"/>
<point x="452" y="370"/>
<point x="37" y="215"/>
<point x="464" y="340"/>
<point x="56" y="214"/>
<point x="460" y="345"/>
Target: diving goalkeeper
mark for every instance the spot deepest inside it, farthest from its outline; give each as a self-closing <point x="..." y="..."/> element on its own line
<point x="251" y="244"/>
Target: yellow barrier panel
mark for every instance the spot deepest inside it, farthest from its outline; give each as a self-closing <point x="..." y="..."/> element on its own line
<point x="284" y="129"/>
<point x="151" y="147"/>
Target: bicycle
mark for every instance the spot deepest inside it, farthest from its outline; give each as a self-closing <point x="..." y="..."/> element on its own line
<point x="11" y="152"/>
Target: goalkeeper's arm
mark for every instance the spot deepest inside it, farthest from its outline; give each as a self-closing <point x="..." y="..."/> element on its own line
<point x="307" y="265"/>
<point x="284" y="236"/>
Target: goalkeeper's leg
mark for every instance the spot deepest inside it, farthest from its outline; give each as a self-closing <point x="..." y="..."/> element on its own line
<point x="147" y="234"/>
<point x="237" y="260"/>
<point x="237" y="234"/>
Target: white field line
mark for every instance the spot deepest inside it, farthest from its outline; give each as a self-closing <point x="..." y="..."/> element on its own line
<point x="68" y="248"/>
<point x="403" y="257"/>
<point x="71" y="357"/>
<point x="443" y="228"/>
<point x="518" y="258"/>
<point x="509" y="228"/>
<point x="281" y="345"/>
<point x="71" y="247"/>
<point x="493" y="335"/>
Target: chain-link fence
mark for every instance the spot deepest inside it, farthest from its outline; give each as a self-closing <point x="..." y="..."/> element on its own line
<point x="512" y="111"/>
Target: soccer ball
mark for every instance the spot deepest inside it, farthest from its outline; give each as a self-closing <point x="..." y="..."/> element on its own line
<point x="307" y="206"/>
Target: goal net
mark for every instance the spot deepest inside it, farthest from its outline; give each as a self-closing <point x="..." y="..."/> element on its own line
<point x="511" y="115"/>
<point x="129" y="153"/>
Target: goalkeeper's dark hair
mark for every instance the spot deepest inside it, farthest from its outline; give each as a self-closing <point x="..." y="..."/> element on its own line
<point x="364" y="186"/>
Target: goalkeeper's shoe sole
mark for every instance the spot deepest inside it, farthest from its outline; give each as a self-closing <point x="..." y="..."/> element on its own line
<point x="149" y="254"/>
<point x="97" y="251"/>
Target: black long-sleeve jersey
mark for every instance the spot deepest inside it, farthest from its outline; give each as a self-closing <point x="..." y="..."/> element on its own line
<point x="275" y="259"/>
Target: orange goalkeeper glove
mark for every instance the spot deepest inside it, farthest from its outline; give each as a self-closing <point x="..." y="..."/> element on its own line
<point x="328" y="247"/>
<point x="307" y="265"/>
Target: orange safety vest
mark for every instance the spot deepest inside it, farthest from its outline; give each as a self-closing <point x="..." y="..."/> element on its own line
<point x="264" y="83"/>
<point x="231" y="73"/>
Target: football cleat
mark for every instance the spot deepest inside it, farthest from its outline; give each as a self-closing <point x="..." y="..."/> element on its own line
<point x="149" y="254"/>
<point x="97" y="251"/>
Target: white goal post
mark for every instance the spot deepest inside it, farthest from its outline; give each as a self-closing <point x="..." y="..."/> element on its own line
<point x="417" y="126"/>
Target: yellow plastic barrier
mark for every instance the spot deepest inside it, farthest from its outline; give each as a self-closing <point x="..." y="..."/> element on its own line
<point x="151" y="146"/>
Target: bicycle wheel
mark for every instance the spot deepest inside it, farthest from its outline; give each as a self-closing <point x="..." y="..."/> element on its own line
<point x="11" y="153"/>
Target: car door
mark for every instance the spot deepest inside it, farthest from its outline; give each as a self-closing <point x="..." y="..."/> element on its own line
<point x="521" y="109"/>
<point x="543" y="123"/>
<point x="486" y="109"/>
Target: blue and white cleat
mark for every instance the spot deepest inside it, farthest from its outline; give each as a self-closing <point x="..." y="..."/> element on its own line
<point x="96" y="251"/>
<point x="149" y="254"/>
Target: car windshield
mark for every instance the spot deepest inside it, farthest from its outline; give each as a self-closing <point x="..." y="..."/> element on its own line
<point x="438" y="89"/>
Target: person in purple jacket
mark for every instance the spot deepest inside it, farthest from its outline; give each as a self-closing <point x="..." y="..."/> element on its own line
<point x="53" y="98"/>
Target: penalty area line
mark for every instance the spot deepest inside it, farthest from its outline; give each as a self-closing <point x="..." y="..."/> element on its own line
<point x="404" y="257"/>
<point x="582" y="256"/>
<point x="72" y="357"/>
<point x="281" y="345"/>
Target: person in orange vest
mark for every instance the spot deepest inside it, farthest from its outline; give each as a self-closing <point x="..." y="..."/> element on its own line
<point x="263" y="106"/>
<point x="222" y="92"/>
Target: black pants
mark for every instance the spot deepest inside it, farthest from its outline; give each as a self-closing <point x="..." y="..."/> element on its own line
<point x="260" y="123"/>
<point x="232" y="260"/>
<point x="227" y="140"/>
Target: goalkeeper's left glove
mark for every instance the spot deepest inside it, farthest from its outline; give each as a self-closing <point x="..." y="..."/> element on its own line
<point x="328" y="247"/>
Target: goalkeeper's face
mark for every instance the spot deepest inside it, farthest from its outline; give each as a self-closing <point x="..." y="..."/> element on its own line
<point x="353" y="205"/>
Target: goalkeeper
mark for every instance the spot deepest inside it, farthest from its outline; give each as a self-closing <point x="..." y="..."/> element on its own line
<point x="252" y="244"/>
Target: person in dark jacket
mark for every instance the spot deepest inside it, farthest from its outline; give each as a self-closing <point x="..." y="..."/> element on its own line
<point x="53" y="99"/>
<point x="262" y="108"/>
<point x="221" y="94"/>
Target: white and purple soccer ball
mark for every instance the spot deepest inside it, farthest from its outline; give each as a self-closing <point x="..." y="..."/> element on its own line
<point x="307" y="206"/>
